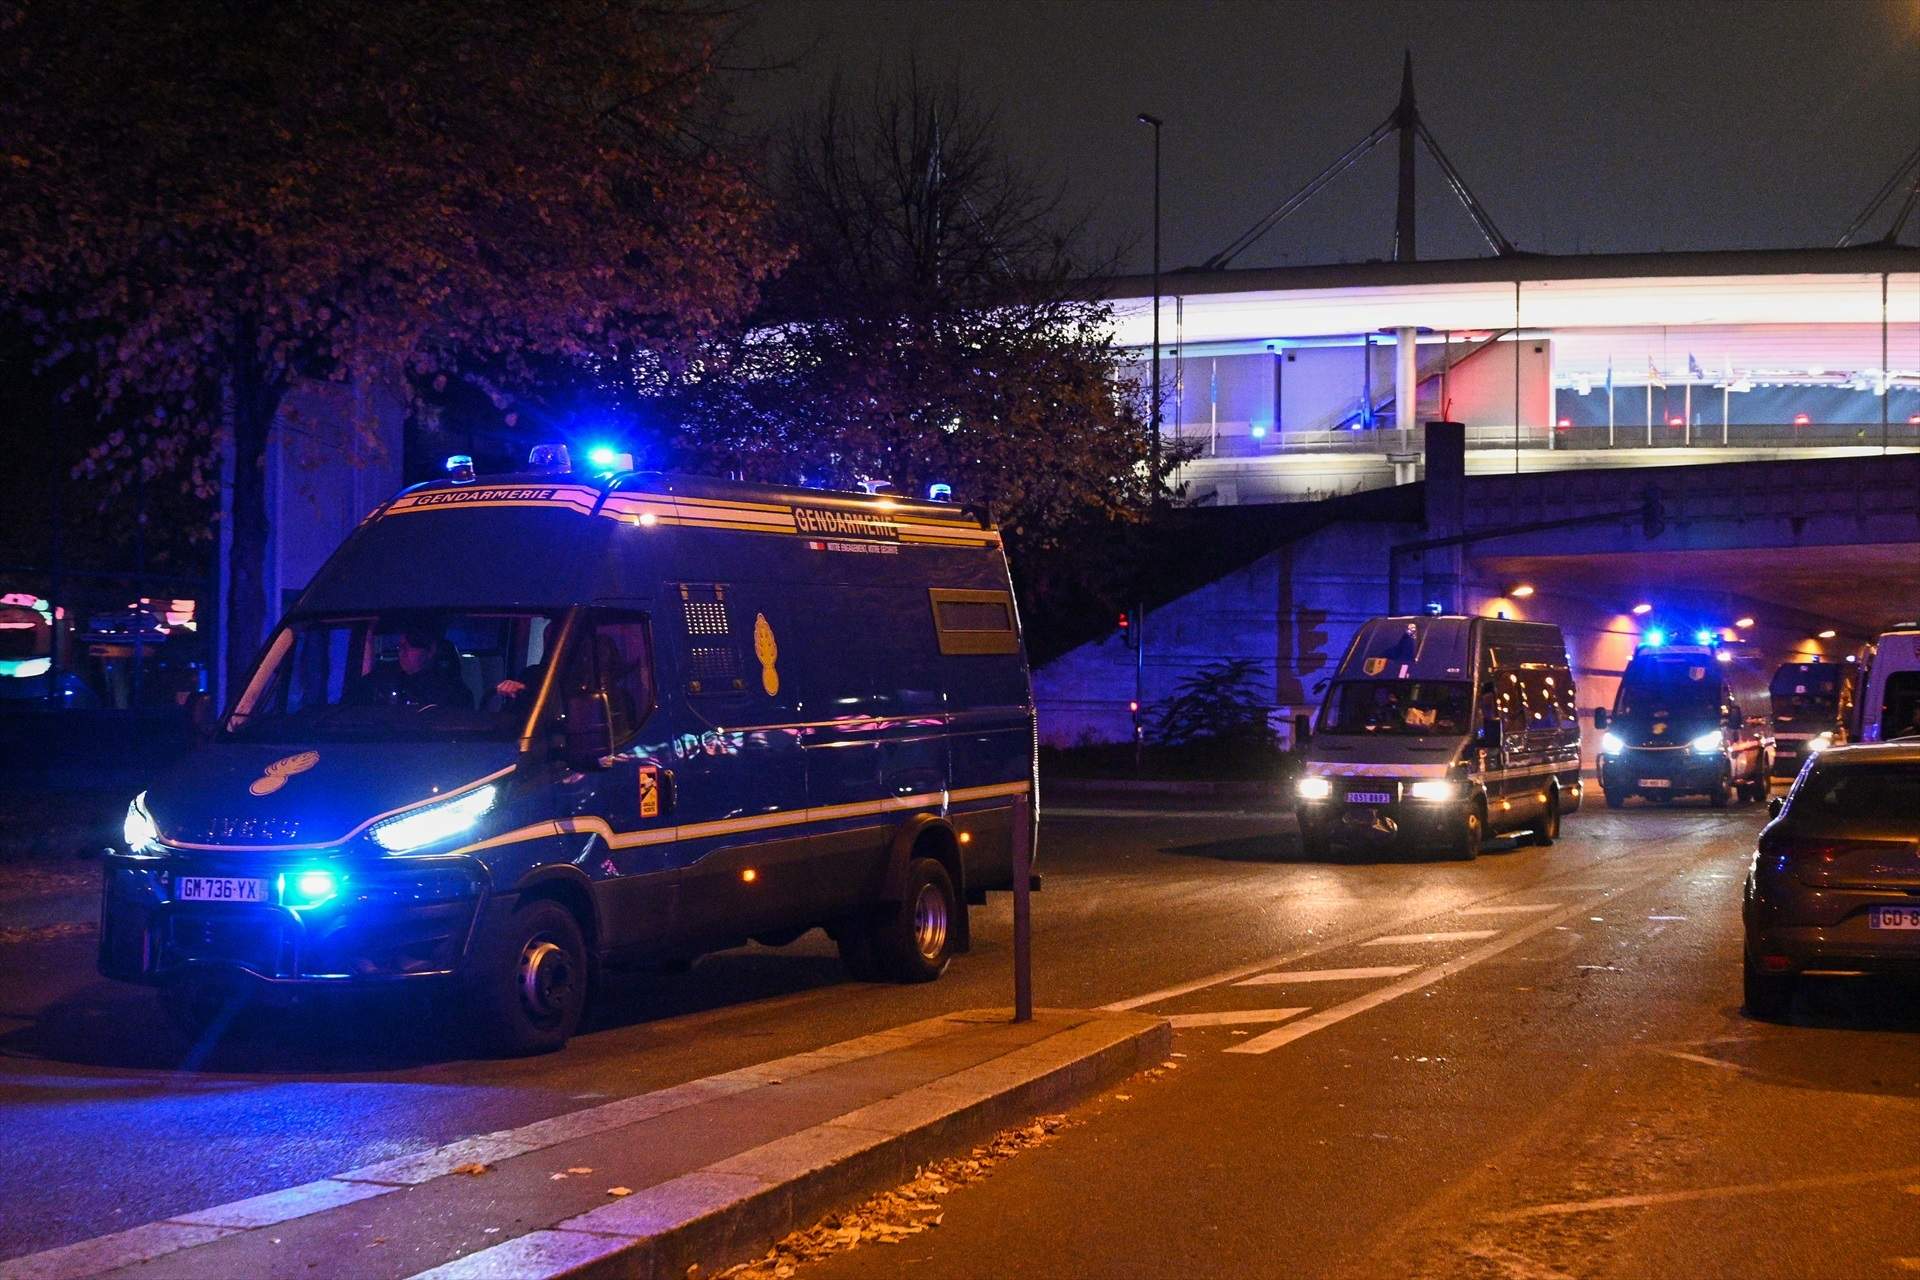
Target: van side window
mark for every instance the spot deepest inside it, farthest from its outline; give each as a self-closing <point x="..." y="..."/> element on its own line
<point x="614" y="656"/>
<point x="974" y="622"/>
<point x="714" y="660"/>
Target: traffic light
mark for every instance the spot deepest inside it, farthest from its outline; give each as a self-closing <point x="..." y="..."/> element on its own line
<point x="1125" y="624"/>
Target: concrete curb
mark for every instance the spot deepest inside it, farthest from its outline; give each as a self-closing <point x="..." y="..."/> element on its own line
<point x="735" y="1209"/>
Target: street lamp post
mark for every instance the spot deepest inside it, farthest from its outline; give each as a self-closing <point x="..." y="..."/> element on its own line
<point x="1153" y="452"/>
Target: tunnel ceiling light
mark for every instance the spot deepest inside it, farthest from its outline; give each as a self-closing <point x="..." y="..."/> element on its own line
<point x="1521" y="592"/>
<point x="1743" y="623"/>
<point x="1642" y="610"/>
<point x="1828" y="634"/>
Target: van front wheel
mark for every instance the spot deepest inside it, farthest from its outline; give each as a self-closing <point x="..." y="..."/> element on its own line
<point x="913" y="940"/>
<point x="529" y="984"/>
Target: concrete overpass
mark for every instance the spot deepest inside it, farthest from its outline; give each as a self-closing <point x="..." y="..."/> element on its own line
<point x="1821" y="552"/>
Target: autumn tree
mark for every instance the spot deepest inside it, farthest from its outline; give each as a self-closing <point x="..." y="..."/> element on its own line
<point x="203" y="201"/>
<point x="937" y="326"/>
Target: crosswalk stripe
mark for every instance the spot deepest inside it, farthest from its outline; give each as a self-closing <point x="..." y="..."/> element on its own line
<point x="1232" y="1017"/>
<point x="1513" y="909"/>
<point x="1326" y="975"/>
<point x="1406" y="939"/>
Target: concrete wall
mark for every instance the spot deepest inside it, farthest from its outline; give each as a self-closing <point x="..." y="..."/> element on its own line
<point x="1482" y="388"/>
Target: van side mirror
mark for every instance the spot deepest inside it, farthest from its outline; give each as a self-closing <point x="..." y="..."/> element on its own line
<point x="1774" y="805"/>
<point x="1490" y="734"/>
<point x="589" y="738"/>
<point x="1601" y="717"/>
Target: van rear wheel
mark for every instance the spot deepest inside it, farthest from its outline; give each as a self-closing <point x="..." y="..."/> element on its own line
<point x="1549" y="829"/>
<point x="913" y="940"/>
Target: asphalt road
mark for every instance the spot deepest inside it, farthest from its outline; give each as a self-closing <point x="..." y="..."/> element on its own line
<point x="1465" y="1106"/>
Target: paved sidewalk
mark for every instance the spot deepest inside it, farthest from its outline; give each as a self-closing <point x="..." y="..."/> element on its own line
<point x="710" y="1172"/>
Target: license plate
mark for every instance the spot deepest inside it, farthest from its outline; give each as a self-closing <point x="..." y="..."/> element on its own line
<point x="1656" y="782"/>
<point x="1369" y="797"/>
<point x="1894" y="918"/>
<point x="219" y="889"/>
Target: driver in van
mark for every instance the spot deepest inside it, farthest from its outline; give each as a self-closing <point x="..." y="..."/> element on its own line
<point x="419" y="678"/>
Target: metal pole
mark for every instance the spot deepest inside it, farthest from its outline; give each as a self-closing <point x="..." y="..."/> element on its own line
<point x="1153" y="445"/>
<point x="1023" y="812"/>
<point x="1886" y="371"/>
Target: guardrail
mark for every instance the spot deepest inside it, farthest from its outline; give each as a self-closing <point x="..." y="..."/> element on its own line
<point x="1240" y="443"/>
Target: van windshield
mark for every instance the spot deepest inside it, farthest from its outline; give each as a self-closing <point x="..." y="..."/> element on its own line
<point x="1679" y="688"/>
<point x="1414" y="707"/>
<point x="418" y="675"/>
<point x="1806" y="694"/>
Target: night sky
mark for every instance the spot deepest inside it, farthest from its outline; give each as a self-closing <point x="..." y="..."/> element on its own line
<point x="1595" y="127"/>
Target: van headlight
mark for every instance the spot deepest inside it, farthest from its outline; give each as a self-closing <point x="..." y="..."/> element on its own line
<point x="139" y="829"/>
<point x="1313" y="788"/>
<point x="435" y="822"/>
<point x="1611" y="744"/>
<point x="1708" y="743"/>
<point x="1433" y="789"/>
<point x="1819" y="742"/>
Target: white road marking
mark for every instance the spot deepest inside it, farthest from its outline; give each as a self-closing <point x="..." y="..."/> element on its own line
<point x="1411" y="939"/>
<point x="1288" y="977"/>
<point x="1605" y="1203"/>
<point x="1512" y="1263"/>
<point x="1666" y="917"/>
<point x="1703" y="1060"/>
<point x="1231" y="1017"/>
<point x="1075" y="811"/>
<point x="1514" y="909"/>
<point x="1413" y="982"/>
<point x="1350" y="938"/>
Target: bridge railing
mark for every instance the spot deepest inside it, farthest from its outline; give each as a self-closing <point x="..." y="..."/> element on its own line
<point x="1621" y="436"/>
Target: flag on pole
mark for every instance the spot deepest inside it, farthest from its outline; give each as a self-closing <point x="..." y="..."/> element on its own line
<point x="1654" y="376"/>
<point x="1694" y="370"/>
<point x="1609" y="377"/>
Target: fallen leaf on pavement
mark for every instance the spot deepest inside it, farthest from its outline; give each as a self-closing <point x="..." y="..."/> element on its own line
<point x="473" y="1170"/>
<point x="619" y="1191"/>
<point x="579" y="1170"/>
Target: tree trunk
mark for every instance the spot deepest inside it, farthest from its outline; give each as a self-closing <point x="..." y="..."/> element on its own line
<point x="256" y="399"/>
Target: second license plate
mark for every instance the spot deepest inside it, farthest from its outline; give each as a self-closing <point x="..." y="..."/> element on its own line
<point x="1656" y="782"/>
<point x="1894" y="918"/>
<point x="219" y="889"/>
<point x="1369" y="797"/>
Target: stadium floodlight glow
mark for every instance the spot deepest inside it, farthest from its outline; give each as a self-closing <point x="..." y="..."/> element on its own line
<point x="1642" y="609"/>
<point x="305" y="890"/>
<point x="1313" y="788"/>
<point x="435" y="822"/>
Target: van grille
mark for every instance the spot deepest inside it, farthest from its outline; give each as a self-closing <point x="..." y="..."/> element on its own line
<point x="258" y="830"/>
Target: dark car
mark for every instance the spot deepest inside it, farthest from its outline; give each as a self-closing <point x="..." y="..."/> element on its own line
<point x="1834" y="889"/>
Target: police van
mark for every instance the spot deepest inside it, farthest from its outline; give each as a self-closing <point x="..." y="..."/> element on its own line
<point x="1890" y="707"/>
<point x="1438" y="732"/>
<point x="1688" y="720"/>
<point x="519" y="730"/>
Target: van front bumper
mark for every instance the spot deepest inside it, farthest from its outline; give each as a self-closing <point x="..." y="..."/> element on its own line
<point x="393" y="920"/>
<point x="1361" y="822"/>
<point x="1677" y="771"/>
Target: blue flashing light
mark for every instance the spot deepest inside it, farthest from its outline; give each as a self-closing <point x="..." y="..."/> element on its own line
<point x="1654" y="636"/>
<point x="1704" y="636"/>
<point x="460" y="467"/>
<point x="304" y="890"/>
<point x="602" y="455"/>
<point x="940" y="492"/>
<point x="1259" y="433"/>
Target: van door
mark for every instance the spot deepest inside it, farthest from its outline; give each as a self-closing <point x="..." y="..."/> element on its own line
<point x="629" y="801"/>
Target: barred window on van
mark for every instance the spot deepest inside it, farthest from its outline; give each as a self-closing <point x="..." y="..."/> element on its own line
<point x="974" y="622"/>
<point x="714" y="662"/>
